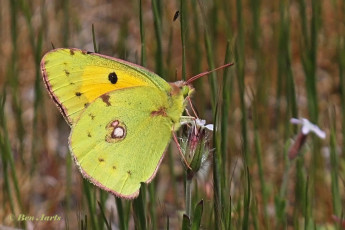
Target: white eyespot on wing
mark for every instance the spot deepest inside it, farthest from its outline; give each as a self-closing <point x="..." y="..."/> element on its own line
<point x="118" y="132"/>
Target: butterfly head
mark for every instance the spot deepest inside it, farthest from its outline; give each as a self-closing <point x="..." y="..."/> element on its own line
<point x="182" y="87"/>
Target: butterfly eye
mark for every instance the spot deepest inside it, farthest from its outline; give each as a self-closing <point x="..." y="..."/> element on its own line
<point x="186" y="90"/>
<point x="112" y="77"/>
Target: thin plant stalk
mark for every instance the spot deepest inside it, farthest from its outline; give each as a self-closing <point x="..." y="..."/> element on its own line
<point x="188" y="196"/>
<point x="183" y="20"/>
<point x="158" y="33"/>
<point x="240" y="60"/>
<point x="210" y="56"/>
<point x="336" y="198"/>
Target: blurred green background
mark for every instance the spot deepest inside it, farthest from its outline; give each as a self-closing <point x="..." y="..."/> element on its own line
<point x="289" y="62"/>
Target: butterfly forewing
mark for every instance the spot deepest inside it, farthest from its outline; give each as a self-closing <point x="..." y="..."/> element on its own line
<point x="75" y="78"/>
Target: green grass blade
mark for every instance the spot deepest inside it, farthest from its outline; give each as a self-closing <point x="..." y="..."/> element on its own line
<point x="183" y="22"/>
<point x="306" y="206"/>
<point x="261" y="176"/>
<point x="240" y="63"/>
<point x="246" y="202"/>
<point x="5" y="153"/>
<point x="210" y="56"/>
<point x="229" y="215"/>
<point x="188" y="196"/>
<point x="139" y="209"/>
<point x="69" y="164"/>
<point x="121" y="214"/>
<point x="341" y="58"/>
<point x="185" y="222"/>
<point x="7" y="159"/>
<point x="168" y="223"/>
<point x="96" y="50"/>
<point x="158" y="33"/>
<point x="13" y="76"/>
<point x="142" y="35"/>
<point x="152" y="204"/>
<point x="217" y="191"/>
<point x="88" y="190"/>
<point x="336" y="198"/>
<point x="197" y="216"/>
<point x="226" y="99"/>
<point x="103" y="215"/>
<point x="255" y="214"/>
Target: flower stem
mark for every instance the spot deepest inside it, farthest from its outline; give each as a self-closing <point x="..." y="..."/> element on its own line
<point x="188" y="196"/>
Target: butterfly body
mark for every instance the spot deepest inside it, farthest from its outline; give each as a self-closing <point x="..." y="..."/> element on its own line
<point x="121" y="115"/>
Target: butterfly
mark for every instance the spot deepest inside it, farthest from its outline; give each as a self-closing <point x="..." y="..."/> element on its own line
<point x="121" y="115"/>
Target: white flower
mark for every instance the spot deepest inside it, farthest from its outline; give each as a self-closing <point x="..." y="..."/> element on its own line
<point x="202" y="123"/>
<point x="198" y="122"/>
<point x="308" y="127"/>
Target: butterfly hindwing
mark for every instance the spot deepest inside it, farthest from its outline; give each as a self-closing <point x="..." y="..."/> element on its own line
<point x="120" y="138"/>
<point x="75" y="78"/>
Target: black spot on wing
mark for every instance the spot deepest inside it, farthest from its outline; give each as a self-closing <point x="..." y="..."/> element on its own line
<point x="78" y="94"/>
<point x="112" y="77"/>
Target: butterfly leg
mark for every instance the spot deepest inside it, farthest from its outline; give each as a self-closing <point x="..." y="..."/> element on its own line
<point x="191" y="105"/>
<point x="180" y="150"/>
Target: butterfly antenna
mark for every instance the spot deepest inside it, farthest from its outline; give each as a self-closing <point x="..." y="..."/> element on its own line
<point x="207" y="72"/>
<point x="180" y="150"/>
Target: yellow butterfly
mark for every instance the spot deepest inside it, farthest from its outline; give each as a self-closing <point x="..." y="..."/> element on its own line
<point x="121" y="115"/>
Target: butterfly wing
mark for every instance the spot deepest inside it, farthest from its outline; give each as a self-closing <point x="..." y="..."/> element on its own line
<point x="120" y="138"/>
<point x="75" y="78"/>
